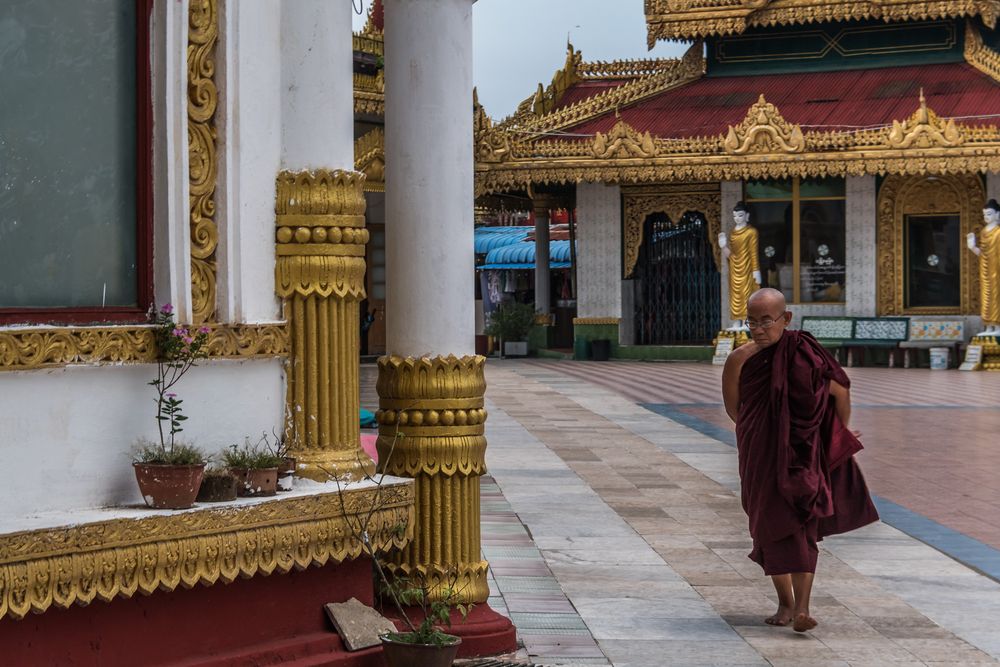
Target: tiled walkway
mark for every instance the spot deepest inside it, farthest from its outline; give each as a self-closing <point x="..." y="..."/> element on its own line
<point x="635" y="516"/>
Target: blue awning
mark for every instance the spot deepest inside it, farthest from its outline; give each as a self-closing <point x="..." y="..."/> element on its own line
<point x="521" y="255"/>
<point x="490" y="238"/>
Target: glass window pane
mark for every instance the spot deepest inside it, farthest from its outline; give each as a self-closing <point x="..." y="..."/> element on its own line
<point x="822" y="187"/>
<point x="67" y="153"/>
<point x="773" y="221"/>
<point x="823" y="248"/>
<point x="771" y="189"/>
<point x="933" y="254"/>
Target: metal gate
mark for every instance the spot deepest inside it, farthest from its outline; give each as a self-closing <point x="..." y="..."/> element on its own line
<point x="677" y="292"/>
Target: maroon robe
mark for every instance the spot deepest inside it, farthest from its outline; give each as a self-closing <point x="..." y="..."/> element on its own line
<point x="800" y="480"/>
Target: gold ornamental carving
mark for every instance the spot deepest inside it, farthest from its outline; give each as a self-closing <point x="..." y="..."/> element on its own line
<point x="432" y="428"/>
<point x="490" y="145"/>
<point x="369" y="159"/>
<point x="594" y="321"/>
<point x="203" y="99"/>
<point x="764" y="131"/>
<point x="899" y="196"/>
<point x="689" y="19"/>
<point x="29" y="349"/>
<point x="673" y="201"/>
<point x="60" y="567"/>
<point x="924" y="129"/>
<point x="320" y="269"/>
<point x="623" y="142"/>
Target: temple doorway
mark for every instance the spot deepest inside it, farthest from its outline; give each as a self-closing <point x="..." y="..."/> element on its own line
<point x="676" y="281"/>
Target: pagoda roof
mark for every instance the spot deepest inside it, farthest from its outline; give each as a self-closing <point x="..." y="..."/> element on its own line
<point x="693" y="19"/>
<point x="673" y="124"/>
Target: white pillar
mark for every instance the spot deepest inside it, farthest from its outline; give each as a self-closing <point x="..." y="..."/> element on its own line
<point x="860" y="230"/>
<point x="543" y="274"/>
<point x="599" y="237"/>
<point x="317" y="85"/>
<point x="430" y="268"/>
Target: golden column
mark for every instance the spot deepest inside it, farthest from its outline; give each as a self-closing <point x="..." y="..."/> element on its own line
<point x="320" y="273"/>
<point x="432" y="429"/>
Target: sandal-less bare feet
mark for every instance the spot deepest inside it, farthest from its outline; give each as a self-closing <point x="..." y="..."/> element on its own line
<point x="803" y="623"/>
<point x="782" y="617"/>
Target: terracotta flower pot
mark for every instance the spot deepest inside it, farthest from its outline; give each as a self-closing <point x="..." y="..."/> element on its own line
<point x="286" y="474"/>
<point x="251" y="482"/>
<point x="398" y="654"/>
<point x="217" y="489"/>
<point x="168" y="487"/>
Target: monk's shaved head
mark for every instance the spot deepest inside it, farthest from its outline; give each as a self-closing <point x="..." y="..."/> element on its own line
<point x="769" y="298"/>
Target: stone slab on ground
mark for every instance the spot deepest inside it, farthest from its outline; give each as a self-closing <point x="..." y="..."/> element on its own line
<point x="358" y="625"/>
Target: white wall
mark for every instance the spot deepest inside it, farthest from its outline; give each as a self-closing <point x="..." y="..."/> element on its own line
<point x="68" y="433"/>
<point x="599" y="250"/>
<point x="862" y="280"/>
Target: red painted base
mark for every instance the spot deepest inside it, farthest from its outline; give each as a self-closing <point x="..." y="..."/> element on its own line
<point x="484" y="632"/>
<point x="271" y="620"/>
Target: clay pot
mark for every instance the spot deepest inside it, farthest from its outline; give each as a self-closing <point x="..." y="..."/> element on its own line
<point x="217" y="489"/>
<point x="168" y="487"/>
<point x="286" y="474"/>
<point x="252" y="482"/>
<point x="398" y="654"/>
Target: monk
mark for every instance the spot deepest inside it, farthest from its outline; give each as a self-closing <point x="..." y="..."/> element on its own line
<point x="791" y="403"/>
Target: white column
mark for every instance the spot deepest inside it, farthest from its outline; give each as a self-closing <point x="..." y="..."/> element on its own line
<point x="429" y="178"/>
<point x="862" y="269"/>
<point x="317" y="85"/>
<point x="599" y="241"/>
<point x="992" y="186"/>
<point x="732" y="192"/>
<point x="543" y="274"/>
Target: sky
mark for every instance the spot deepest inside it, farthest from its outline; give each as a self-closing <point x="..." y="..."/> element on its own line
<point x="518" y="44"/>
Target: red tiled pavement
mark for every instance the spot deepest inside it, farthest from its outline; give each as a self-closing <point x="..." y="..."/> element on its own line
<point x="932" y="438"/>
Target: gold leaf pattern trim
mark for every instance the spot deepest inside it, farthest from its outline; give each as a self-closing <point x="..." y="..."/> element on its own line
<point x="203" y="97"/>
<point x="593" y="321"/>
<point x="369" y="159"/>
<point x="28" y="349"/>
<point x="60" y="567"/>
<point x="692" y="19"/>
<point x="765" y="131"/>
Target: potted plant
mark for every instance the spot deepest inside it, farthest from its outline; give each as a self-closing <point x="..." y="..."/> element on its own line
<point x="288" y="466"/>
<point x="169" y="472"/>
<point x="511" y="323"/>
<point x="255" y="468"/>
<point x="217" y="486"/>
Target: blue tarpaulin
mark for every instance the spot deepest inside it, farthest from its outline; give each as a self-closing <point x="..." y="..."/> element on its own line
<point x="522" y="256"/>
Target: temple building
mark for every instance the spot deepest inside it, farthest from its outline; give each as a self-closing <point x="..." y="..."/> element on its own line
<point x="196" y="159"/>
<point x="860" y="137"/>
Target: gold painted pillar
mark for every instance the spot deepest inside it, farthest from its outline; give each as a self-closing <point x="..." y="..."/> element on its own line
<point x="320" y="274"/>
<point x="432" y="429"/>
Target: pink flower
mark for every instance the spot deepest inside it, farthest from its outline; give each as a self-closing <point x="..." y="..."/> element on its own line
<point x="167" y="309"/>
<point x="171" y="395"/>
<point x="204" y="330"/>
<point x="177" y="332"/>
<point x="188" y="340"/>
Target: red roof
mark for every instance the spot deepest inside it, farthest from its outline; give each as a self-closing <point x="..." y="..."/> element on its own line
<point x="813" y="100"/>
<point x="585" y="89"/>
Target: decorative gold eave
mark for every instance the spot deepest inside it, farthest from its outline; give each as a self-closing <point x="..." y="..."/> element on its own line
<point x="60" y="567"/>
<point x="32" y="348"/>
<point x="369" y="159"/>
<point x="764" y="145"/>
<point x="695" y="19"/>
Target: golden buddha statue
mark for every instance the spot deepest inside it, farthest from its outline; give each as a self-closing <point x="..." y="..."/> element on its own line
<point x="740" y="248"/>
<point x="988" y="251"/>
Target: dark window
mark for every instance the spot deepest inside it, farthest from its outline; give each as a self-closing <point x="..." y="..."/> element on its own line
<point x="75" y="123"/>
<point x="933" y="259"/>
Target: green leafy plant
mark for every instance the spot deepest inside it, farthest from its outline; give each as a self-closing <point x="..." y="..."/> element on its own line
<point x="251" y="456"/>
<point x="178" y="349"/>
<point x="511" y="322"/>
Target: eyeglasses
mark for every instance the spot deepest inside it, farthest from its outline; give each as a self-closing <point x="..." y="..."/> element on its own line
<point x="765" y="323"/>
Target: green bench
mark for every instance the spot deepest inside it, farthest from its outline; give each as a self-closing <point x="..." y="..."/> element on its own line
<point x="854" y="333"/>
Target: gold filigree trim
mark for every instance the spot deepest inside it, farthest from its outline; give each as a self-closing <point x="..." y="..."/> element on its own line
<point x="203" y="98"/>
<point x="593" y="321"/>
<point x="924" y="129"/>
<point x="900" y="196"/>
<point x="673" y="201"/>
<point x="369" y="159"/>
<point x="692" y="19"/>
<point x="622" y="142"/>
<point x="28" y="349"/>
<point x="765" y="131"/>
<point x="980" y="56"/>
<point x="61" y="567"/>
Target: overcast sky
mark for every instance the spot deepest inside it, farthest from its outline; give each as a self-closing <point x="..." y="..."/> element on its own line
<point x="519" y="43"/>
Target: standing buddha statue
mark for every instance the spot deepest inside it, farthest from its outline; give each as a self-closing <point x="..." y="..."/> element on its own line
<point x="740" y="249"/>
<point x="988" y="251"/>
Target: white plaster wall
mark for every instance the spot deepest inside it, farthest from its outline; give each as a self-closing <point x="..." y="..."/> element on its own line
<point x="599" y="250"/>
<point x="862" y="279"/>
<point x="68" y="433"/>
<point x="249" y="125"/>
<point x="992" y="186"/>
<point x="731" y="192"/>
<point x="317" y="84"/>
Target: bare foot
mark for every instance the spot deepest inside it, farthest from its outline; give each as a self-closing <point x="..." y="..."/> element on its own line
<point x="781" y="617"/>
<point x="803" y="622"/>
